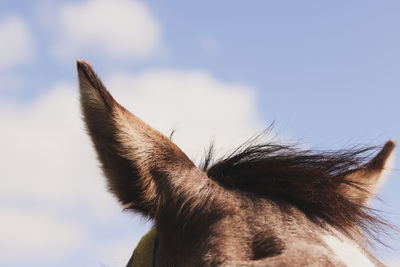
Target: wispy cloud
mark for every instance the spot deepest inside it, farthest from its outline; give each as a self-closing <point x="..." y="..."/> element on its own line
<point x="119" y="29"/>
<point x="17" y="44"/>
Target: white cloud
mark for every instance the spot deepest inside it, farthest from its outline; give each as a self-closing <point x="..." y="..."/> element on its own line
<point x="34" y="235"/>
<point x="17" y="42"/>
<point x="46" y="158"/>
<point x="119" y="29"/>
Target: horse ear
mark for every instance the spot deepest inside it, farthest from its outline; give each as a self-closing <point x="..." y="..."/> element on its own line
<point x="368" y="178"/>
<point x="142" y="166"/>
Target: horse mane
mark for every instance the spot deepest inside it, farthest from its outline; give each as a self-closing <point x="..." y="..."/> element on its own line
<point x="308" y="179"/>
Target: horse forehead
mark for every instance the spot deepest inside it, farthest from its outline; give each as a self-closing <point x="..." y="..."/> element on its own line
<point x="347" y="251"/>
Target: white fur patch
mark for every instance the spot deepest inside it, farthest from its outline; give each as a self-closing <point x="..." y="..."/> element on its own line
<point x="347" y="252"/>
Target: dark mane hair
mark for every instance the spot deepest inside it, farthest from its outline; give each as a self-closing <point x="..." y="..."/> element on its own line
<point x="311" y="180"/>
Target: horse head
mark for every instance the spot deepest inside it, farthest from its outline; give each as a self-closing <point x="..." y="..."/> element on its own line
<point x="265" y="204"/>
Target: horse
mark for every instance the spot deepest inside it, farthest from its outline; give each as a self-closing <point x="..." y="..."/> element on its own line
<point x="266" y="204"/>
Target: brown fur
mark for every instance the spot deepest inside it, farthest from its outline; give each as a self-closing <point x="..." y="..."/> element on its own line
<point x="264" y="205"/>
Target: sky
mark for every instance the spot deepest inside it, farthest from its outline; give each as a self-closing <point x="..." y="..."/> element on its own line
<point x="326" y="73"/>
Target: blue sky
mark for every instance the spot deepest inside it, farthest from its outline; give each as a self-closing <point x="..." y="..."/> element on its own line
<point x="326" y="72"/>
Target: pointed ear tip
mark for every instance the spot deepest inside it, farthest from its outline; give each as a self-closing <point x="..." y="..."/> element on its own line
<point x="85" y="75"/>
<point x="83" y="65"/>
<point x="80" y="62"/>
<point x="89" y="82"/>
<point x="390" y="144"/>
<point x="394" y="142"/>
